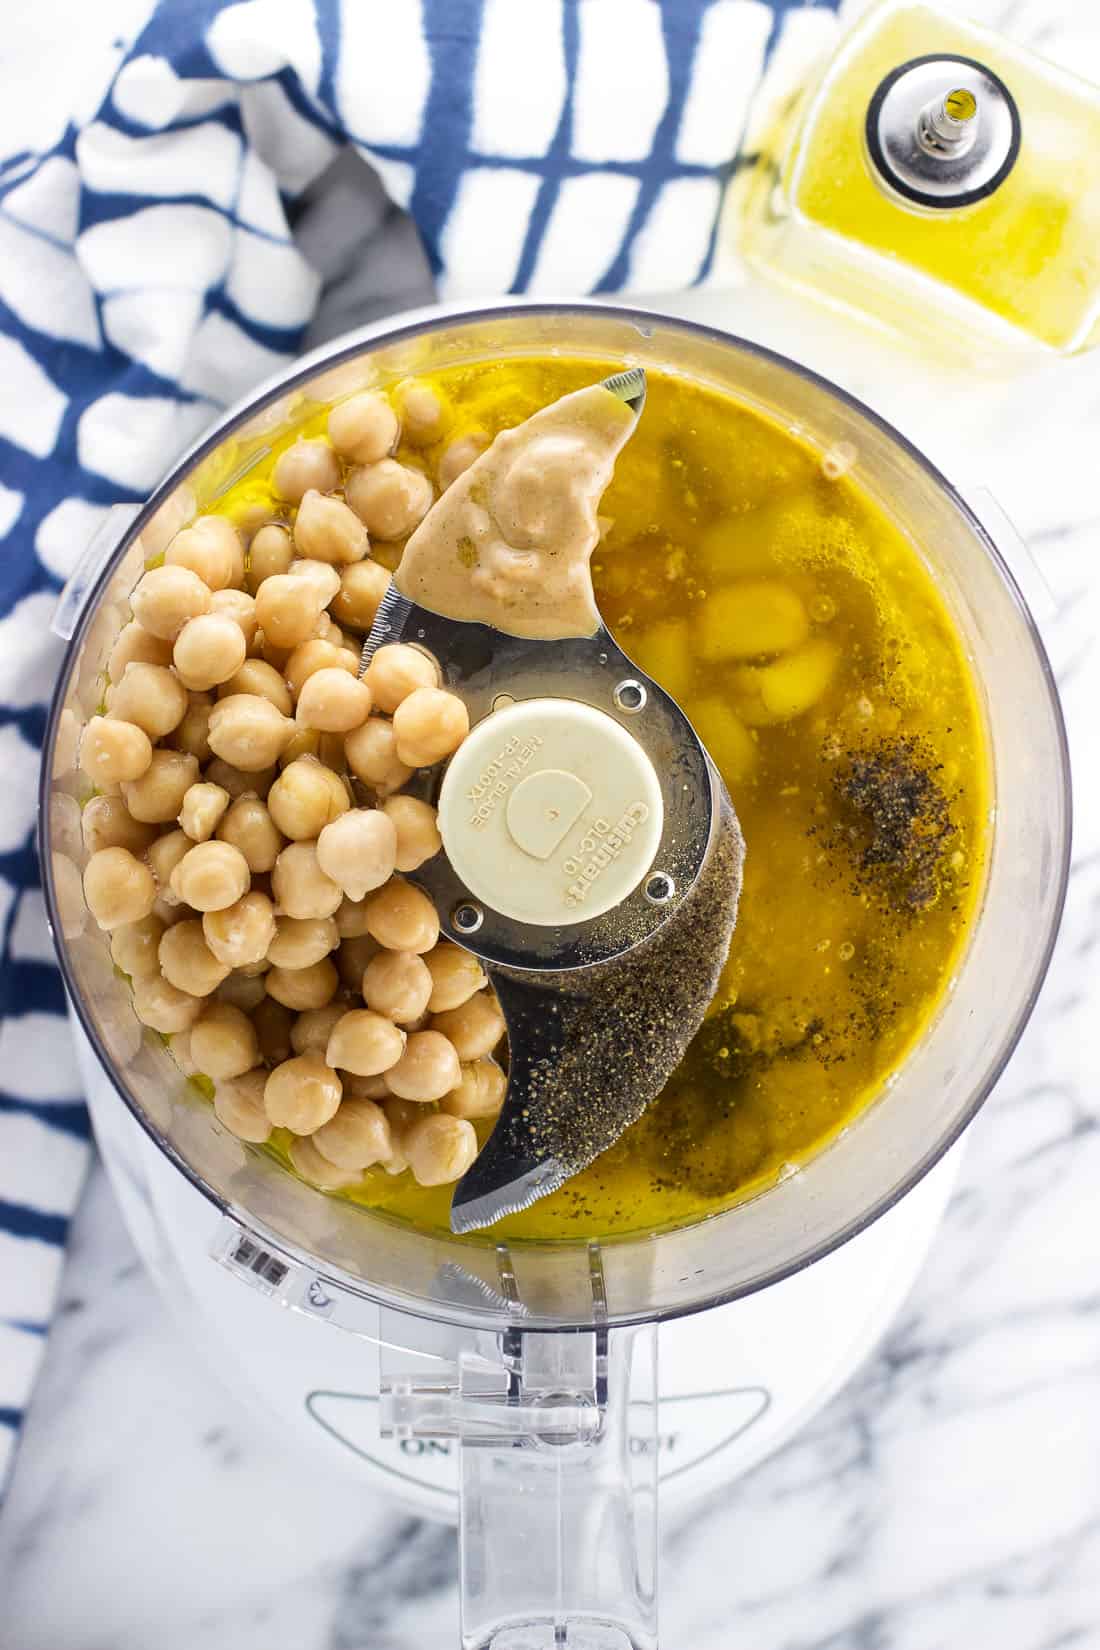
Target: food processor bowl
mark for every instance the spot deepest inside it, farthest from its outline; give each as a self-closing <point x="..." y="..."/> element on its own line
<point x="530" y="1353"/>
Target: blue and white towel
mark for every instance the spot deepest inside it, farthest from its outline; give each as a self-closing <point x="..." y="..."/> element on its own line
<point x="170" y="219"/>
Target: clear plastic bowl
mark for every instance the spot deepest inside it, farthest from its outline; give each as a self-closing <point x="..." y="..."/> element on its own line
<point x="895" y="1140"/>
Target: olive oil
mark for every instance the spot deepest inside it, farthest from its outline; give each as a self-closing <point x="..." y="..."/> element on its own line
<point x="803" y="635"/>
<point x="1004" y="254"/>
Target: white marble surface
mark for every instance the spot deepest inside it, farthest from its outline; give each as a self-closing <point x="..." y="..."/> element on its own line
<point x="948" y="1497"/>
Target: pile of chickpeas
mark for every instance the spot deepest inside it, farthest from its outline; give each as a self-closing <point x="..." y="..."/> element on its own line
<point x="257" y="905"/>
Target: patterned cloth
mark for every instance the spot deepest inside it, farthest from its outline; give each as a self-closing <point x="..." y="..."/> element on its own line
<point x="166" y="245"/>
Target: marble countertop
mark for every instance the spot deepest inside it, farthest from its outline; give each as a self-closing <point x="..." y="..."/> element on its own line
<point x="948" y="1496"/>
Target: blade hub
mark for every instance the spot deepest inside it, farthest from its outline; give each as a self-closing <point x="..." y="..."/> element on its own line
<point x="551" y="812"/>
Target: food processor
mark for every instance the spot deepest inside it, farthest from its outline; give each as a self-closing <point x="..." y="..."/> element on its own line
<point x="542" y="1393"/>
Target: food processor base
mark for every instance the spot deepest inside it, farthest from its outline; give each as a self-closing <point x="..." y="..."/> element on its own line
<point x="736" y="1382"/>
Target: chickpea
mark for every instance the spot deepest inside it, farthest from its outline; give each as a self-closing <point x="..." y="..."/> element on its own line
<point x="238" y="784"/>
<point x="421" y="411"/>
<point x="304" y="465"/>
<point x="401" y="918"/>
<point x="475" y="1028"/>
<point x="211" y="876"/>
<point x="157" y="797"/>
<point x="271" y="552"/>
<point x="106" y="822"/>
<point x="162" y="1006"/>
<point x="479" y="1092"/>
<point x="193" y="733"/>
<point x="247" y="731"/>
<point x="456" y="975"/>
<point x="397" y="1162"/>
<point x="302" y="1094"/>
<point x="401" y="1115"/>
<point x="352" y="959"/>
<point x="238" y="606"/>
<point x="266" y="649"/>
<point x="163" y="856"/>
<point x="389" y="499"/>
<point x="313" y="656"/>
<point x="202" y="810"/>
<point x="362" y="587"/>
<point x="357" y="1137"/>
<point x="136" y="645"/>
<point x="458" y="456"/>
<point x="328" y="630"/>
<point x="111" y="751"/>
<point x="333" y="701"/>
<point x="440" y="1149"/>
<point x="298" y="942"/>
<point x="302" y="742"/>
<point x="364" y="428"/>
<point x="326" y="530"/>
<point x="169" y="912"/>
<point x="305" y="798"/>
<point x="150" y="696"/>
<point x="286" y="611"/>
<point x="223" y="1042"/>
<point x="395" y="671"/>
<point x="262" y="681"/>
<point x="371" y="752"/>
<point x="166" y="597"/>
<point x="210" y="548"/>
<point x="364" y="1042"/>
<point x="351" y="918"/>
<point x="301" y="888"/>
<point x="244" y="991"/>
<point x="239" y="1106"/>
<point x="134" y="946"/>
<point x="239" y="934"/>
<point x="357" y="851"/>
<point x="318" y="576"/>
<point x="64" y="824"/>
<point x="427" y="1070"/>
<point x="418" y="837"/>
<point x="397" y="984"/>
<point x="208" y="650"/>
<point x="248" y="827"/>
<point x="308" y="1162"/>
<point x="273" y="1024"/>
<point x="365" y="1088"/>
<point x="428" y="726"/>
<point x="187" y="962"/>
<point x="312" y="1029"/>
<point x="118" y="888"/>
<point x="302" y="988"/>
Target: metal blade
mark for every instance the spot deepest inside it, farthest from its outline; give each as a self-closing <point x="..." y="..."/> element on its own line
<point x="589" y="1049"/>
<point x="629" y="386"/>
<point x="512" y="1170"/>
<point x="390" y="623"/>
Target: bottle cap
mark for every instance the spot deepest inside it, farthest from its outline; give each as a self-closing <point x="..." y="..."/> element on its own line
<point x="943" y="131"/>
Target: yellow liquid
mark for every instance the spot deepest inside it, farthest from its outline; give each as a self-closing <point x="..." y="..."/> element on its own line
<point x="720" y="521"/>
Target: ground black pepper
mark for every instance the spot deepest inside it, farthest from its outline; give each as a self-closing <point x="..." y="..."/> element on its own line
<point x="898" y="823"/>
<point x="612" y="1036"/>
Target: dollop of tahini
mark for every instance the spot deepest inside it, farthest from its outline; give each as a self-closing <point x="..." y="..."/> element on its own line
<point x="509" y="542"/>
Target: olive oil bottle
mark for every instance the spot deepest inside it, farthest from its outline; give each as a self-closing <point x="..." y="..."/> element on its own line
<point x="939" y="178"/>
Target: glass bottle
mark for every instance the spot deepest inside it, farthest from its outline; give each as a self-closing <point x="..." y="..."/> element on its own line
<point x="939" y="178"/>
